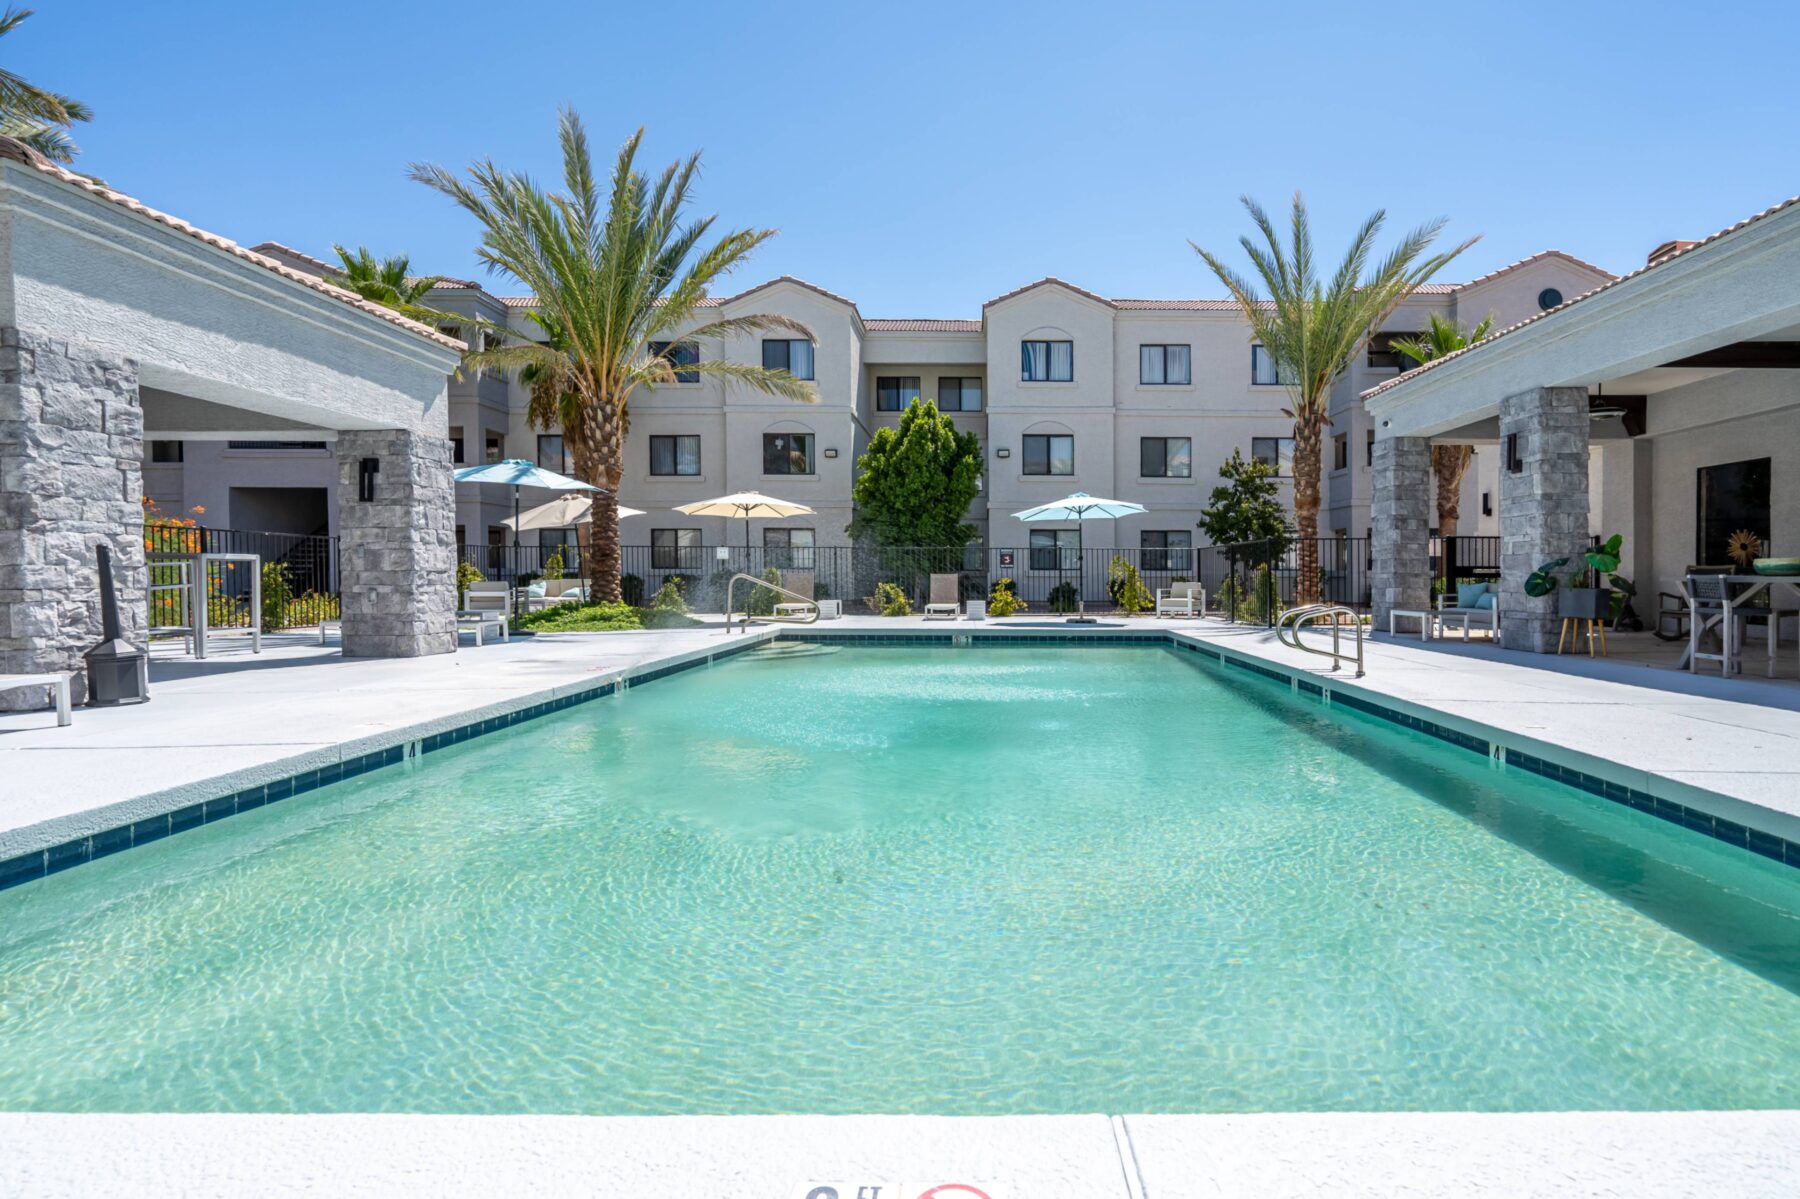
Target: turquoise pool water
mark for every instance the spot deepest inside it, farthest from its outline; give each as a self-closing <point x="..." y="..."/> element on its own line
<point x="900" y="880"/>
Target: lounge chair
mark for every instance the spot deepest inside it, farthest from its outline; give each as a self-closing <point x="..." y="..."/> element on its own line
<point x="487" y="597"/>
<point x="800" y="582"/>
<point x="946" y="598"/>
<point x="1181" y="599"/>
<point x="545" y="592"/>
<point x="1476" y="604"/>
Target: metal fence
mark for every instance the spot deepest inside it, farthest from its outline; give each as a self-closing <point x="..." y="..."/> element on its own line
<point x="1344" y="564"/>
<point x="299" y="576"/>
<point x="1047" y="579"/>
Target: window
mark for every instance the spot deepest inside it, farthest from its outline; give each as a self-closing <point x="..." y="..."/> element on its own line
<point x="165" y="451"/>
<point x="1055" y="549"/>
<point x="554" y="455"/>
<point x="678" y="454"/>
<point x="675" y="549"/>
<point x="1371" y="461"/>
<point x="1047" y="361"/>
<point x="1340" y="452"/>
<point x="560" y="541"/>
<point x="679" y="353"/>
<point x="493" y="446"/>
<point x="1277" y="452"/>
<point x="1549" y="298"/>
<point x="1383" y="355"/>
<point x="793" y="356"/>
<point x="461" y="535"/>
<point x="1170" y="549"/>
<point x="959" y="395"/>
<point x="456" y="444"/>
<point x="788" y="549"/>
<point x="276" y="445"/>
<point x="1049" y="454"/>
<point x="1165" y="457"/>
<point x="787" y="453"/>
<point x="1164" y="364"/>
<point x="1262" y="368"/>
<point x="894" y="393"/>
<point x="1731" y="497"/>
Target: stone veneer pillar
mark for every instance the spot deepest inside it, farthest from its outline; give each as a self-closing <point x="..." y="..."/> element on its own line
<point x="1543" y="505"/>
<point x="71" y="458"/>
<point x="397" y="552"/>
<point x="1400" y="526"/>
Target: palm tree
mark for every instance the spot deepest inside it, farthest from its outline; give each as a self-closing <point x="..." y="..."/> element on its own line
<point x="387" y="282"/>
<point x="1312" y="330"/>
<point x="613" y="271"/>
<point x="32" y="115"/>
<point x="1449" y="463"/>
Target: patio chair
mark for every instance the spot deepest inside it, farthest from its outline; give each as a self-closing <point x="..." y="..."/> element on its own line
<point x="546" y="592"/>
<point x="946" y="598"/>
<point x="1706" y="611"/>
<point x="487" y="597"/>
<point x="800" y="582"/>
<point x="1474" y="604"/>
<point x="1181" y="599"/>
<point x="56" y="682"/>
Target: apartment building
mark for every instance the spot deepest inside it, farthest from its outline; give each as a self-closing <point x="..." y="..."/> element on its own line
<point x="1067" y="390"/>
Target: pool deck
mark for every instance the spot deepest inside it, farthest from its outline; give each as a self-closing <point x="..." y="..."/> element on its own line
<point x="1734" y="745"/>
<point x="1641" y="1155"/>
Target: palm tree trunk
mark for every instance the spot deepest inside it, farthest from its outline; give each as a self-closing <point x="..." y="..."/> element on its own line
<point x="1450" y="463"/>
<point x="1306" y="509"/>
<point x="603" y="443"/>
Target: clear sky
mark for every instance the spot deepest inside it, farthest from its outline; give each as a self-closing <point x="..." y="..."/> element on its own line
<point x="921" y="158"/>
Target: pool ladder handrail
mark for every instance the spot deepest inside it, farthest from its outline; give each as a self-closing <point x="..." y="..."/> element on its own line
<point x="1295" y="619"/>
<point x="756" y="581"/>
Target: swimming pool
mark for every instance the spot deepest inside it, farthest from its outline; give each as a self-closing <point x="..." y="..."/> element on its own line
<point x="952" y="880"/>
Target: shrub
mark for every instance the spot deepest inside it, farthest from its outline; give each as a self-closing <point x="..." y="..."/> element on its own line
<point x="1063" y="597"/>
<point x="553" y="566"/>
<point x="581" y="618"/>
<point x="667" y="609"/>
<point x="631" y="590"/>
<point x="1263" y="603"/>
<point x="1003" y="602"/>
<point x="467" y="573"/>
<point x="277" y="595"/>
<point x="761" y="601"/>
<point x="1126" y="587"/>
<point x="889" y="600"/>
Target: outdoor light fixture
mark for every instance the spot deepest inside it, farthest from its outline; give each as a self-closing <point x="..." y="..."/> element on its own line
<point x="831" y="453"/>
<point x="1514" y="463"/>
<point x="1487" y="503"/>
<point x="366" y="471"/>
<point x="1002" y="453"/>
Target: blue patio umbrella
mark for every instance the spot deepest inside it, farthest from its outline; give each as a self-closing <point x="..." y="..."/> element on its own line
<point x="517" y="473"/>
<point x="1079" y="507"/>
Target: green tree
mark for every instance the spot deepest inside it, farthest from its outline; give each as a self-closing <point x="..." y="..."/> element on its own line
<point x="1247" y="506"/>
<point x="614" y="269"/>
<point x="1449" y="463"/>
<point x="915" y="483"/>
<point x="388" y="282"/>
<point x="1312" y="328"/>
<point x="30" y="114"/>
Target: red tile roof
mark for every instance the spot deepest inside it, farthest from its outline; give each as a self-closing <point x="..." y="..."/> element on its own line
<point x="925" y="325"/>
<point x="20" y="153"/>
<point x="1047" y="281"/>
<point x="1611" y="282"/>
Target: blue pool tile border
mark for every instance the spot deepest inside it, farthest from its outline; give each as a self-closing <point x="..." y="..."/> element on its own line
<point x="56" y="858"/>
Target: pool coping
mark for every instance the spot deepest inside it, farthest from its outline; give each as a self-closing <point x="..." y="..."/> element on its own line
<point x="1733" y="821"/>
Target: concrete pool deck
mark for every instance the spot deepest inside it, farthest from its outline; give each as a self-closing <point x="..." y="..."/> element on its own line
<point x="1399" y="1155"/>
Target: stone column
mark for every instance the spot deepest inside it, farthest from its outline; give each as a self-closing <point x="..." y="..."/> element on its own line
<point x="396" y="551"/>
<point x="1543" y="504"/>
<point x="71" y="459"/>
<point x="1400" y="526"/>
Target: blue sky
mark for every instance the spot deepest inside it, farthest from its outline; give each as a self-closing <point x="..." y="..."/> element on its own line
<point x="921" y="158"/>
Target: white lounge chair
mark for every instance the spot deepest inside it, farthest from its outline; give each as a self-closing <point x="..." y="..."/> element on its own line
<point x="800" y="582"/>
<point x="57" y="681"/>
<point x="1181" y="599"/>
<point x="1448" y="609"/>
<point x="487" y="596"/>
<point x="946" y="598"/>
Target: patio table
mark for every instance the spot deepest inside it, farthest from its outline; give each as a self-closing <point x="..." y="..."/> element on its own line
<point x="1739" y="591"/>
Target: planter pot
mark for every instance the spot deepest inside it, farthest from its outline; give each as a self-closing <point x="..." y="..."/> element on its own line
<point x="1585" y="603"/>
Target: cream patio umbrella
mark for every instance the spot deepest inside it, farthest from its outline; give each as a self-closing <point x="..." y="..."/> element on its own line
<point x="745" y="506"/>
<point x="562" y="512"/>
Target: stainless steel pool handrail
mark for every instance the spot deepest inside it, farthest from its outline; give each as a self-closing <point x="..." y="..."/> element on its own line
<point x="1294" y="620"/>
<point x="730" y="612"/>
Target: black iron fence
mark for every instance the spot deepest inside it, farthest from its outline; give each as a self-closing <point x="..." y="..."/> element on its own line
<point x="299" y="576"/>
<point x="1257" y="579"/>
<point x="1048" y="579"/>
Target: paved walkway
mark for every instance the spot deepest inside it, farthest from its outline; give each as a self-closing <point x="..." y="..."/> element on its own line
<point x="1400" y="1155"/>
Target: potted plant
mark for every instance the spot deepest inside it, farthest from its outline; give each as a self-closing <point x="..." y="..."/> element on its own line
<point x="1586" y="596"/>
